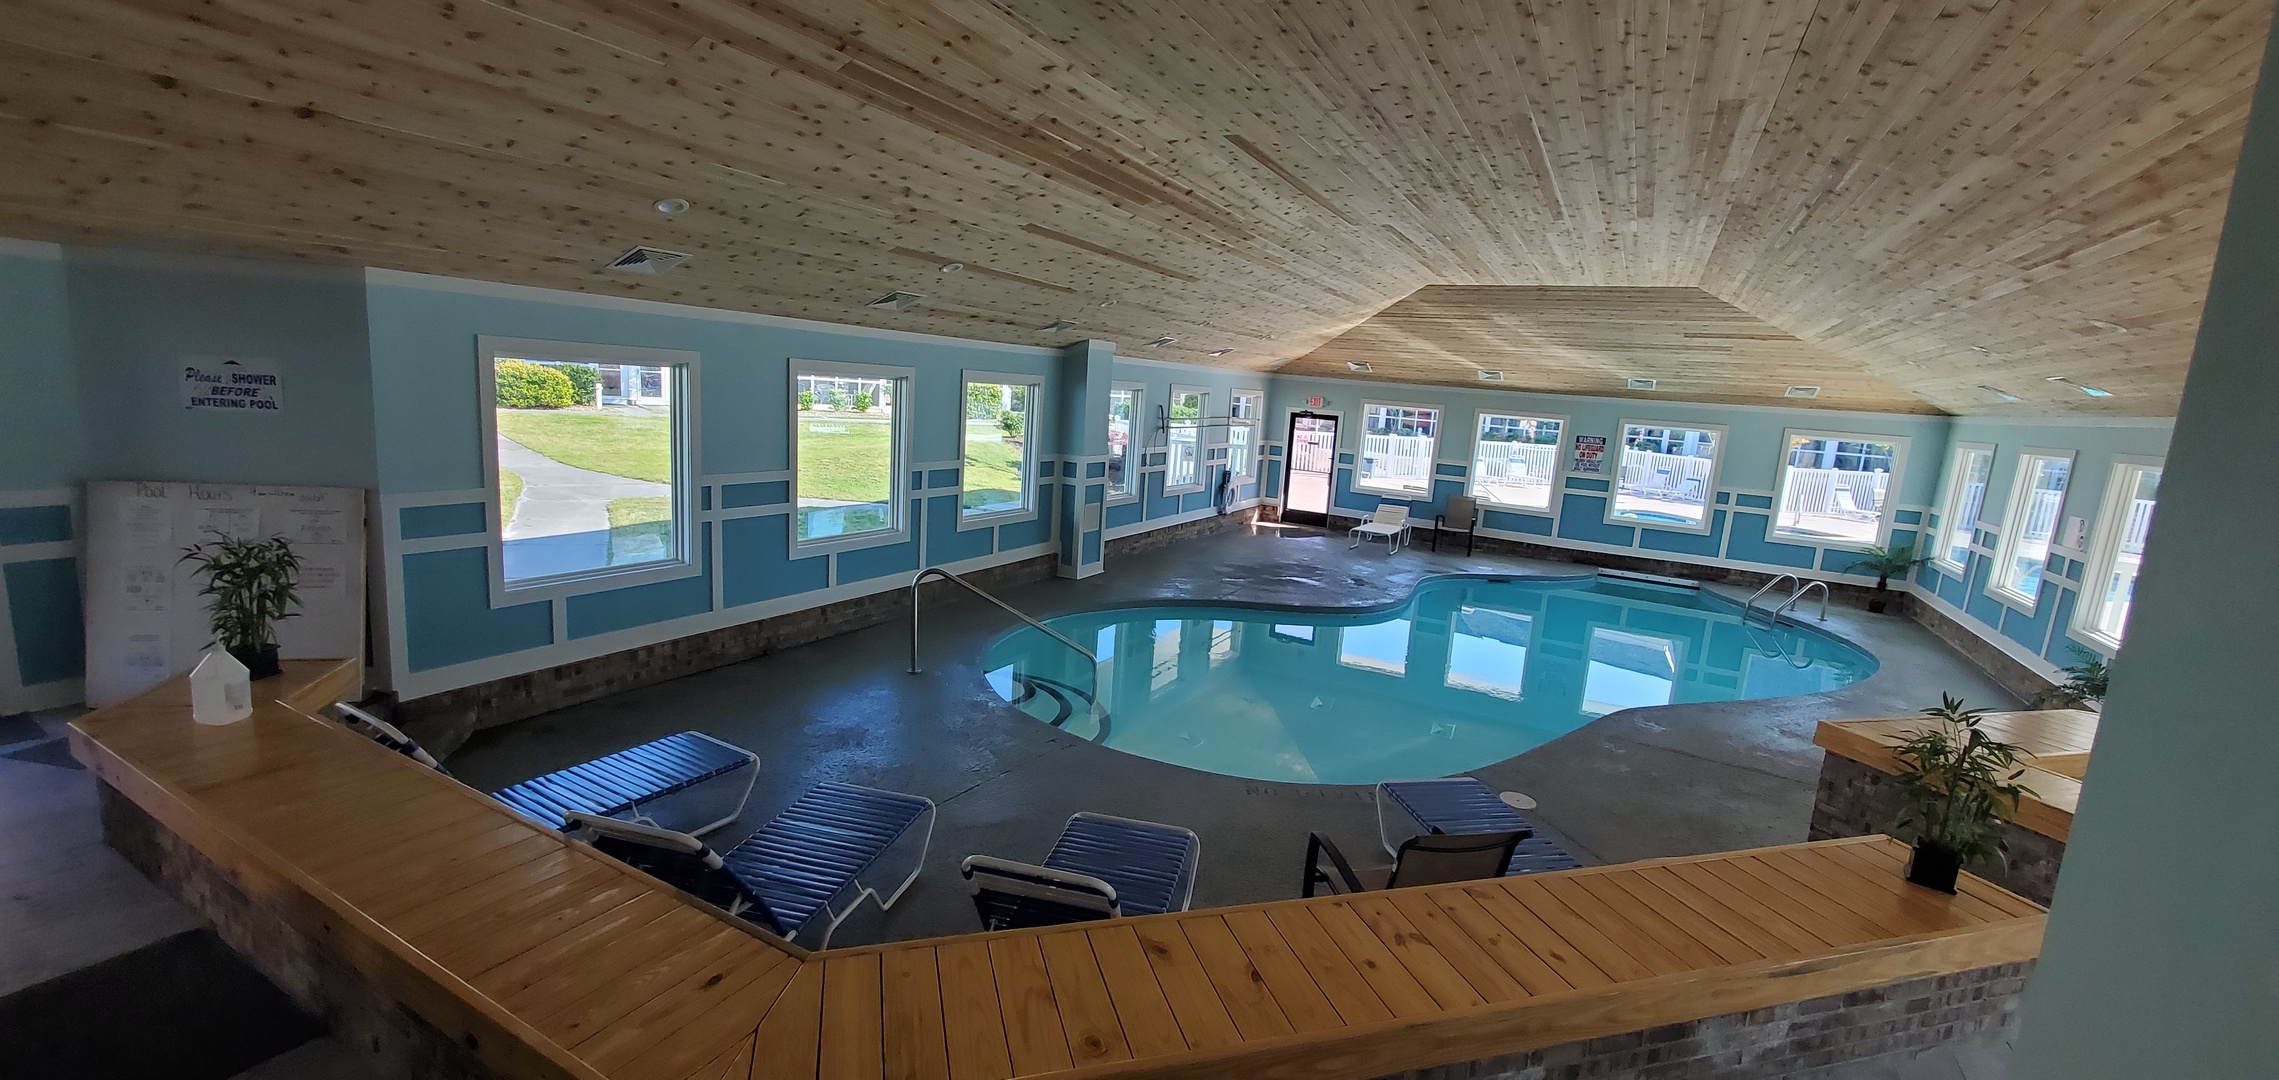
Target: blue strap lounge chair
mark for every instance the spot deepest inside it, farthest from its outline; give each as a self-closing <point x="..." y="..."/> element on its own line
<point x="1462" y="805"/>
<point x="689" y="782"/>
<point x="1102" y="867"/>
<point x="803" y="872"/>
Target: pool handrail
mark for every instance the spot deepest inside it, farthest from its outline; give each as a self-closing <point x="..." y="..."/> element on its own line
<point x="1751" y="603"/>
<point x="935" y="571"/>
<point x="1799" y="594"/>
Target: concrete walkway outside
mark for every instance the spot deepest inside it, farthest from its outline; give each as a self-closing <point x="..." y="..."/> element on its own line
<point x="561" y="524"/>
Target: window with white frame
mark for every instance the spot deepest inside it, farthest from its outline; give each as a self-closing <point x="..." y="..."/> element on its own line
<point x="1183" y="459"/>
<point x="2111" y="582"/>
<point x="1967" y="473"/>
<point x="1515" y="458"/>
<point x="1836" y="488"/>
<point x="999" y="453"/>
<point x="1665" y="476"/>
<point x="590" y="462"/>
<point x="1399" y="444"/>
<point x="1124" y="402"/>
<point x="1243" y="410"/>
<point x="849" y="467"/>
<point x="2036" y="499"/>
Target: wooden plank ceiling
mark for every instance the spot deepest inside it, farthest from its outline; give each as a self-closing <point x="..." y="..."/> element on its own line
<point x="1898" y="183"/>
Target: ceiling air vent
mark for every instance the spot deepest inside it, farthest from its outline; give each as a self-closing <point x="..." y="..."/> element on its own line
<point x="1491" y="376"/>
<point x="897" y="301"/>
<point x="647" y="260"/>
<point x="1220" y="352"/>
<point x="1057" y="326"/>
<point x="1160" y="342"/>
<point x="1358" y="365"/>
<point x="1638" y="384"/>
<point x="1801" y="391"/>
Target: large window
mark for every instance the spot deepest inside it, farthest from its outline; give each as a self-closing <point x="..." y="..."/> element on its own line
<point x="2035" y="502"/>
<point x="1000" y="451"/>
<point x="1124" y="403"/>
<point x="1837" y="488"/>
<point x="589" y="455"/>
<point x="1183" y="470"/>
<point x="2111" y="584"/>
<point x="1398" y="446"/>
<point x="1515" y="458"/>
<point x="1965" y="496"/>
<point x="1665" y="477"/>
<point x="1243" y="410"/>
<point x="849" y="454"/>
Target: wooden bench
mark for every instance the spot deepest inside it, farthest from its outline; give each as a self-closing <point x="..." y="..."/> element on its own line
<point x="362" y="881"/>
<point x="1854" y="798"/>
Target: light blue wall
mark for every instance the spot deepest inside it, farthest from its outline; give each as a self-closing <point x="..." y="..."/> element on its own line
<point x="1749" y="468"/>
<point x="135" y="318"/>
<point x="42" y="441"/>
<point x="2042" y="638"/>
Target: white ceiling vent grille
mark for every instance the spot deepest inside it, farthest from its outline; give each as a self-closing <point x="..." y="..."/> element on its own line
<point x="1057" y="326"/>
<point x="897" y="301"/>
<point x="1491" y="376"/>
<point x="1801" y="391"/>
<point x="648" y="260"/>
<point x="1638" y="384"/>
<point x="1358" y="365"/>
<point x="1159" y="342"/>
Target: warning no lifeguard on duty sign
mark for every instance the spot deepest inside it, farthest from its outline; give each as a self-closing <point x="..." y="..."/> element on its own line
<point x="231" y="385"/>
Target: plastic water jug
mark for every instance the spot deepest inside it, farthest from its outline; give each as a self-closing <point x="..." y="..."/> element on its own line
<point x="220" y="690"/>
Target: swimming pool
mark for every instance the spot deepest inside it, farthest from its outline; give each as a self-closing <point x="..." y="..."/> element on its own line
<point x="1467" y="672"/>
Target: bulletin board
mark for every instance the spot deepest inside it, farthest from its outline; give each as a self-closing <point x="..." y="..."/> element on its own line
<point x="145" y="620"/>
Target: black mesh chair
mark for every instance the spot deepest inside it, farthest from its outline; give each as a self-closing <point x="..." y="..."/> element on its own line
<point x="1461" y="514"/>
<point x="1422" y="860"/>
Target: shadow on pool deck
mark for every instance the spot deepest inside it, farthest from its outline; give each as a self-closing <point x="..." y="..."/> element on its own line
<point x="1672" y="780"/>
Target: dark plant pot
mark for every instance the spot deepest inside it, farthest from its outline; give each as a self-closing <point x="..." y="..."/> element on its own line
<point x="259" y="663"/>
<point x="1877" y="603"/>
<point x="1934" y="867"/>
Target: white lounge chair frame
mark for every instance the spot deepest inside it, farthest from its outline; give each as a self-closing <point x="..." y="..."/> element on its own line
<point x="1390" y="520"/>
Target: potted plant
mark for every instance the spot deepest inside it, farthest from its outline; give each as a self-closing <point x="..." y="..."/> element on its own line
<point x="253" y="585"/>
<point x="2084" y="685"/>
<point x="1957" y="788"/>
<point x="1886" y="563"/>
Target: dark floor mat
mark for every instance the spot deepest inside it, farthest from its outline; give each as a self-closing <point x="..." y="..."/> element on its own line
<point x="182" y="1008"/>
<point x="56" y="752"/>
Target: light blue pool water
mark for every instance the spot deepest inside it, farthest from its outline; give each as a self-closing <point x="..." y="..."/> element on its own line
<point x="1469" y="671"/>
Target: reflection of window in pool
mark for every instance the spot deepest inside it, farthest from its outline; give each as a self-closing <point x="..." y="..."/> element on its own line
<point x="1300" y="633"/>
<point x="1628" y="671"/>
<point x="1104" y="648"/>
<point x="1487" y="651"/>
<point x="1223" y="644"/>
<point x="1375" y="647"/>
<point x="1166" y="656"/>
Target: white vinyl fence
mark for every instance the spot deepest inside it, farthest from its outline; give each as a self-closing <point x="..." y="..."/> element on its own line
<point x="1397" y="460"/>
<point x="1670" y="477"/>
<point x="1516" y="463"/>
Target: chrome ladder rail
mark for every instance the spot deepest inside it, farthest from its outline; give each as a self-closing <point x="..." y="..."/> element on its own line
<point x="1099" y="712"/>
<point x="1799" y="595"/>
<point x="1751" y="603"/>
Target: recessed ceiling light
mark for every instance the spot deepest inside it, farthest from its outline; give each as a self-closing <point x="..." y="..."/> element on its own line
<point x="1358" y="365"/>
<point x="2083" y="387"/>
<point x="897" y="301"/>
<point x="1220" y="352"/>
<point x="1801" y="391"/>
<point x="1160" y="342"/>
<point x="952" y="267"/>
<point x="1998" y="392"/>
<point x="1638" y="384"/>
<point x="1491" y="376"/>
<point x="1056" y="326"/>
<point x="671" y="206"/>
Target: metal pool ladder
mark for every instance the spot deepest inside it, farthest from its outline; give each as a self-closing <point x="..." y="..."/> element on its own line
<point x="1773" y="614"/>
<point x="1092" y="662"/>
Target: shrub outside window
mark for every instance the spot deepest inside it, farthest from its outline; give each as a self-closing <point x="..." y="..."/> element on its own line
<point x="999" y="449"/>
<point x="1183" y="470"/>
<point x="1242" y="432"/>
<point x="1665" y="476"/>
<point x="1124" y="403"/>
<point x="588" y="455"/>
<point x="849" y="454"/>
<point x="1399" y="444"/>
<point x="1837" y="488"/>
<point x="2036" y="500"/>
<point x="1515" y="459"/>
<point x="2110" y="585"/>
<point x="1965" y="498"/>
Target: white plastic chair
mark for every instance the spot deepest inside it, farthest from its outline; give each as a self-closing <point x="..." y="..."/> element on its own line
<point x="1390" y="520"/>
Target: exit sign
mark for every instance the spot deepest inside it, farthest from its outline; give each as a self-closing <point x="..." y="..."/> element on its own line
<point x="1313" y="403"/>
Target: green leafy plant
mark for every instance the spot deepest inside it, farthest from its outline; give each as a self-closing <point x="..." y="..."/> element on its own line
<point x="1011" y="424"/>
<point x="806" y="400"/>
<point x="863" y="402"/>
<point x="253" y="584"/>
<point x="584" y="380"/>
<point x="2085" y="681"/>
<point x="524" y="385"/>
<point x="982" y="401"/>
<point x="1958" y="785"/>
<point x="1886" y="563"/>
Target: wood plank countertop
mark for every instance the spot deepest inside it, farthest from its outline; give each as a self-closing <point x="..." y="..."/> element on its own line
<point x="2058" y="740"/>
<point x="554" y="961"/>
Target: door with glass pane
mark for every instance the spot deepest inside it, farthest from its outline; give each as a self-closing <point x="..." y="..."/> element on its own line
<point x="1313" y="459"/>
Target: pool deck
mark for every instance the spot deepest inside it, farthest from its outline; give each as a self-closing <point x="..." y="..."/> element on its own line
<point x="1674" y="780"/>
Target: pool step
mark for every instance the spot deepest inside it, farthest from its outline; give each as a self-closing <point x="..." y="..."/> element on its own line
<point x="1063" y="705"/>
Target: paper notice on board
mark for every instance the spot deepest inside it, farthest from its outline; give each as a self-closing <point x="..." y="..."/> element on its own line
<point x="146" y="658"/>
<point x="149" y="522"/>
<point x="234" y="522"/>
<point x="307" y="526"/>
<point x="147" y="587"/>
<point x="321" y="577"/>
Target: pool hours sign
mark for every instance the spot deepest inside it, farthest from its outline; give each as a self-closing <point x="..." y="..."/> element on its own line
<point x="211" y="384"/>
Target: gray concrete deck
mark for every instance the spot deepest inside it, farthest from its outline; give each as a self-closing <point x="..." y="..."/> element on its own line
<point x="1636" y="784"/>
